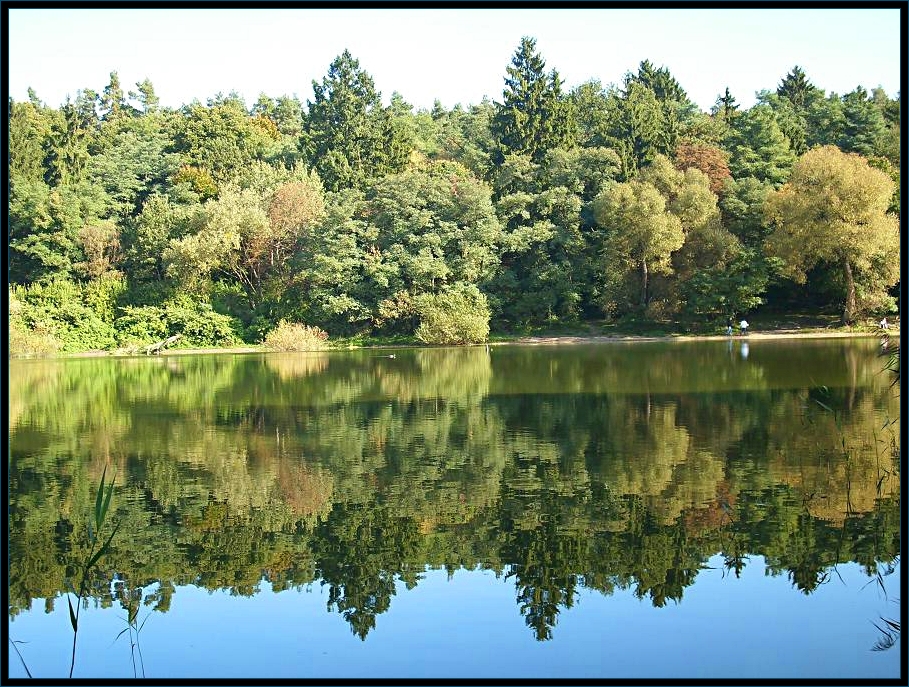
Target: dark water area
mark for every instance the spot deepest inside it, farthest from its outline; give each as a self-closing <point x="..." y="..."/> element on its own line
<point x="714" y="509"/>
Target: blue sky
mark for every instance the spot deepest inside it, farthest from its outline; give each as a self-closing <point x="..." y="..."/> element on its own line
<point x="454" y="55"/>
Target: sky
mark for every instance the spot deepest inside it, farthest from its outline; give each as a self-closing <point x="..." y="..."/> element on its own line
<point x="450" y="55"/>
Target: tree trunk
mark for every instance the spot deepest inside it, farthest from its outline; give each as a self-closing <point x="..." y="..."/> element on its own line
<point x="849" y="309"/>
<point x="645" y="297"/>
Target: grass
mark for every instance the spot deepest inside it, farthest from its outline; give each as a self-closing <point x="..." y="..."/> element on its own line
<point x="102" y="505"/>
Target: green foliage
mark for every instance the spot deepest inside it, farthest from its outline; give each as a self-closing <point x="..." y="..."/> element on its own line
<point x="758" y="147"/>
<point x="196" y="322"/>
<point x="23" y="339"/>
<point x="29" y="136"/>
<point x="639" y="235"/>
<point x="350" y="137"/>
<point x="535" y="116"/>
<point x="77" y="316"/>
<point x="732" y="288"/>
<point x="864" y="126"/>
<point x="342" y="212"/>
<point x="834" y="211"/>
<point x="294" y="336"/>
<point x="414" y="233"/>
<point x="459" y="315"/>
<point x="220" y="139"/>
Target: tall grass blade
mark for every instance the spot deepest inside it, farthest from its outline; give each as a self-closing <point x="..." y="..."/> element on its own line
<point x="94" y="559"/>
<point x="72" y="615"/>
<point x="99" y="499"/>
<point x="27" y="671"/>
<point x="110" y="491"/>
<point x="823" y="405"/>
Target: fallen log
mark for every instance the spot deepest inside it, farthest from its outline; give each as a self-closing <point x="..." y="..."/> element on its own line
<point x="159" y="346"/>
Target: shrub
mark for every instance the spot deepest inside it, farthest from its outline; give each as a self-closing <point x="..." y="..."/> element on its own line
<point x="59" y="310"/>
<point x="141" y="325"/>
<point x="24" y="340"/>
<point x="197" y="324"/>
<point x="457" y="316"/>
<point x="293" y="336"/>
<point x="200" y="325"/>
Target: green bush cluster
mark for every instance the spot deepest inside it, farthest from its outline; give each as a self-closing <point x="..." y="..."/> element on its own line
<point x="457" y="316"/>
<point x="65" y="316"/>
<point x="25" y="340"/>
<point x="196" y="322"/>
<point x="59" y="316"/>
<point x="293" y="336"/>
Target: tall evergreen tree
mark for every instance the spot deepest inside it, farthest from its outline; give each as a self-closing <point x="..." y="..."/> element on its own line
<point x="534" y="116"/>
<point x="758" y="147"/>
<point x="67" y="151"/>
<point x="864" y="124"/>
<point x="351" y="137"/>
<point x="798" y="90"/>
<point x="725" y="108"/>
<point x="146" y="96"/>
<point x="113" y="100"/>
<point x="635" y="130"/>
<point x="29" y="131"/>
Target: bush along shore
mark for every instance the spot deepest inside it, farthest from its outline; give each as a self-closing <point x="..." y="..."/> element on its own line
<point x="295" y="337"/>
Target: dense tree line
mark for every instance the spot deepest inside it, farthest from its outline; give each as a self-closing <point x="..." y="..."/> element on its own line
<point x="216" y="220"/>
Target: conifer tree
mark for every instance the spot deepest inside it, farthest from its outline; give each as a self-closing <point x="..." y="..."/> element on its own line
<point x="350" y="136"/>
<point x="798" y="90"/>
<point x="534" y="116"/>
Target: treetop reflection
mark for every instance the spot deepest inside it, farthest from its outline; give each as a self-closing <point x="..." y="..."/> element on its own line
<point x="610" y="467"/>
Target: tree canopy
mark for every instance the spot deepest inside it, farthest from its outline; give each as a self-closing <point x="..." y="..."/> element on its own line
<point x="346" y="211"/>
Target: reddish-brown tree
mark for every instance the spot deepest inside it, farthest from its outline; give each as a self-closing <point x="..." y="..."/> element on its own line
<point x="709" y="159"/>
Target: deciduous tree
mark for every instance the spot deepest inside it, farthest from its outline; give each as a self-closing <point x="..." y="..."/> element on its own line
<point x="834" y="210"/>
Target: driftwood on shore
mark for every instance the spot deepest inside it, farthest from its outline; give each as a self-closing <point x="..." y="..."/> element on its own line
<point x="157" y="347"/>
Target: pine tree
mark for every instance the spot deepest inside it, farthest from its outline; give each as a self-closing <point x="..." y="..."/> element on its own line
<point x="146" y="96"/>
<point x="113" y="101"/>
<point x="725" y="107"/>
<point x="864" y="124"/>
<point x="350" y="136"/>
<point x="534" y="116"/>
<point x="798" y="90"/>
<point x="67" y="152"/>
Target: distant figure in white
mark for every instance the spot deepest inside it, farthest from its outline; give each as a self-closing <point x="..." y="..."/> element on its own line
<point x="884" y="324"/>
<point x="743" y="325"/>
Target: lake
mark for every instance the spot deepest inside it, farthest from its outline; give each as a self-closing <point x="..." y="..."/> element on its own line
<point x="689" y="509"/>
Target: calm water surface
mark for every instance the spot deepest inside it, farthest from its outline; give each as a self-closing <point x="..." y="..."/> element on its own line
<point x="721" y="509"/>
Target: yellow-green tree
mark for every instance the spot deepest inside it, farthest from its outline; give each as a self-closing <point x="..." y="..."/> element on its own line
<point x="640" y="234"/>
<point x="833" y="210"/>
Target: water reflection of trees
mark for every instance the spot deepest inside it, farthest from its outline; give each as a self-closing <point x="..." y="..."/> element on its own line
<point x="359" y="471"/>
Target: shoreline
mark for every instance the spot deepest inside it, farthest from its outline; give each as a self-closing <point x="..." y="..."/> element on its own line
<point x="751" y="336"/>
<point x="541" y="340"/>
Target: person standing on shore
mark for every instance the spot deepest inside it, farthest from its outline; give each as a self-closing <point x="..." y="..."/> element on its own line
<point x="743" y="325"/>
<point x="729" y="326"/>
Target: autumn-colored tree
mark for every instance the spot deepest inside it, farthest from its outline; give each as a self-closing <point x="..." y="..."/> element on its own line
<point x="834" y="210"/>
<point x="711" y="160"/>
<point x="100" y="241"/>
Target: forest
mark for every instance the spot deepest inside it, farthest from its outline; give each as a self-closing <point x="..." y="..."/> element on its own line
<point x="130" y="222"/>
